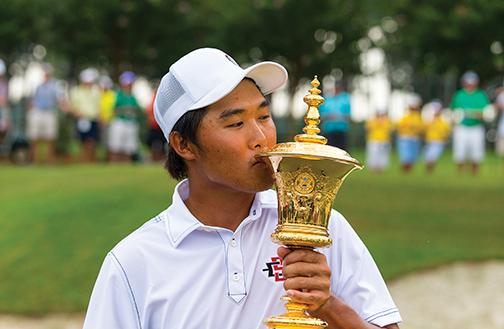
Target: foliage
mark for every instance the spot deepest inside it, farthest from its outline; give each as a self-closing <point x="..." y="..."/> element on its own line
<point x="148" y="35"/>
<point x="438" y="37"/>
<point x="57" y="223"/>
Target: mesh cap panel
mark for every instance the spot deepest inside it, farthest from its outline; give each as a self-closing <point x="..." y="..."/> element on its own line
<point x="169" y="91"/>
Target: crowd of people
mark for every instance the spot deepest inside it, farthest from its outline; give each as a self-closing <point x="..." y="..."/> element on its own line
<point x="461" y="123"/>
<point x="99" y="116"/>
<point x="93" y="111"/>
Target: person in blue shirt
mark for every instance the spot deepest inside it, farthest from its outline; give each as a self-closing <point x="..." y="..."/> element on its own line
<point x="335" y="117"/>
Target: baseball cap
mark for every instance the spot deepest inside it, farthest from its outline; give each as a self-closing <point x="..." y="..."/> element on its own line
<point x="470" y="77"/>
<point x="88" y="75"/>
<point x="127" y="78"/>
<point x="203" y="77"/>
<point x="414" y="101"/>
<point x="105" y="82"/>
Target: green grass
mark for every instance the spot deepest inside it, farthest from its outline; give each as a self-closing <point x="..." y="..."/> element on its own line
<point x="57" y="223"/>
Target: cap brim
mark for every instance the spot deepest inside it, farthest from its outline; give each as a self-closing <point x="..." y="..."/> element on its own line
<point x="269" y="76"/>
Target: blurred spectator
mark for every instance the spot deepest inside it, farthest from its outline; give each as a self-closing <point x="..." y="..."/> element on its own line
<point x="499" y="104"/>
<point x="378" y="131"/>
<point x="335" y="117"/>
<point x="4" y="104"/>
<point x="124" y="129"/>
<point x="107" y="102"/>
<point x="42" y="118"/>
<point x="436" y="134"/>
<point x="155" y="137"/>
<point x="85" y="104"/>
<point x="469" y="133"/>
<point x="409" y="130"/>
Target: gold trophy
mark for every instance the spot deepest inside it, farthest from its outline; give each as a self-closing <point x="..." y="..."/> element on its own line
<point x="308" y="175"/>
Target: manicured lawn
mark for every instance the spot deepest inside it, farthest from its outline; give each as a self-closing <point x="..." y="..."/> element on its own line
<point x="57" y="223"/>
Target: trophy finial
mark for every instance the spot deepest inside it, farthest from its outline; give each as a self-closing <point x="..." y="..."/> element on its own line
<point x="312" y="116"/>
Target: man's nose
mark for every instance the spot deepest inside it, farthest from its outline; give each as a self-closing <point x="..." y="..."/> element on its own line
<point x="258" y="138"/>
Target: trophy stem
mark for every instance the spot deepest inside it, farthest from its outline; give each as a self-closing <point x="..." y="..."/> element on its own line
<point x="295" y="318"/>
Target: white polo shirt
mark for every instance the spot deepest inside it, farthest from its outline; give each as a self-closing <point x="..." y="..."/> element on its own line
<point x="176" y="273"/>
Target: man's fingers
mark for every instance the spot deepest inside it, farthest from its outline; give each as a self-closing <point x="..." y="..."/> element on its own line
<point x="313" y="300"/>
<point x="301" y="283"/>
<point x="303" y="255"/>
<point x="283" y="252"/>
<point x="306" y="269"/>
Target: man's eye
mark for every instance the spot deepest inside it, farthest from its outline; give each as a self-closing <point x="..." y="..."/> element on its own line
<point x="264" y="117"/>
<point x="235" y="125"/>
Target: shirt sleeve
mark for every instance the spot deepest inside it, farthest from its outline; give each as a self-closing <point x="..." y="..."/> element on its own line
<point x="356" y="278"/>
<point x="112" y="303"/>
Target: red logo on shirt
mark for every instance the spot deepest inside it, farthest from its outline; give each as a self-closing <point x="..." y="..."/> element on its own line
<point x="274" y="269"/>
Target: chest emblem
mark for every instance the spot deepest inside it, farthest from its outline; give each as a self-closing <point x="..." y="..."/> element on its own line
<point x="274" y="269"/>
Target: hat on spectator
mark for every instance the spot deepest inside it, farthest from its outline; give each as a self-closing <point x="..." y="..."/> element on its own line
<point x="127" y="78"/>
<point x="88" y="75"/>
<point x="105" y="82"/>
<point x="470" y="77"/>
<point x="47" y="68"/>
<point x="414" y="101"/>
<point x="436" y="105"/>
<point x="2" y="67"/>
<point x="203" y="77"/>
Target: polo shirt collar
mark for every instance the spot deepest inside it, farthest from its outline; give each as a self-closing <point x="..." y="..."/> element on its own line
<point x="180" y="222"/>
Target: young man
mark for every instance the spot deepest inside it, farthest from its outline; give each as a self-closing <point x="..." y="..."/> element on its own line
<point x="409" y="133"/>
<point x="208" y="261"/>
<point x="469" y="132"/>
<point x="335" y="116"/>
<point x="85" y="103"/>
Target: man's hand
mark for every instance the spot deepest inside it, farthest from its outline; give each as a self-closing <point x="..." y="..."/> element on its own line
<point x="308" y="277"/>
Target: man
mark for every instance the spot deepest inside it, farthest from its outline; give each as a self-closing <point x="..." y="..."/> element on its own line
<point x="4" y="105"/>
<point x="437" y="133"/>
<point x="409" y="132"/>
<point x="335" y="117"/>
<point x="469" y="134"/>
<point x="85" y="102"/>
<point x="42" y="117"/>
<point x="208" y="261"/>
<point x="124" y="129"/>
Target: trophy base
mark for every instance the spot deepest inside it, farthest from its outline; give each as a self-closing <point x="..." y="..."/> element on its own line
<point x="295" y="318"/>
<point x="301" y="236"/>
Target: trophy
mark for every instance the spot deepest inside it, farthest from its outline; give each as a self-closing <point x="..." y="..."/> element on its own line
<point x="308" y="175"/>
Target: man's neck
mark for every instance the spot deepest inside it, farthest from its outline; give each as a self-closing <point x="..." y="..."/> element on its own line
<point x="218" y="206"/>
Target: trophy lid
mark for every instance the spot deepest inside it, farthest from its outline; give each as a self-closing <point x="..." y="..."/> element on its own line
<point x="310" y="145"/>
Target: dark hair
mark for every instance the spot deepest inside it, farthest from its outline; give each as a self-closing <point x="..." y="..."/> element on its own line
<point x="186" y="126"/>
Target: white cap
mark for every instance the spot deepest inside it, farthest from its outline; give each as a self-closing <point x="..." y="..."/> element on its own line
<point x="470" y="77"/>
<point x="88" y="75"/>
<point x="203" y="77"/>
<point x="2" y="67"/>
<point x="414" y="101"/>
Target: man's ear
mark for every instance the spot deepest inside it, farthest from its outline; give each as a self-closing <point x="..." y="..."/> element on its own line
<point x="184" y="148"/>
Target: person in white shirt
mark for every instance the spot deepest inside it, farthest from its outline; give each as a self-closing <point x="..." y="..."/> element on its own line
<point x="207" y="261"/>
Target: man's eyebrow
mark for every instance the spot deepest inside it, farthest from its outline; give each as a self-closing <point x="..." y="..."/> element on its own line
<point x="227" y="113"/>
<point x="264" y="103"/>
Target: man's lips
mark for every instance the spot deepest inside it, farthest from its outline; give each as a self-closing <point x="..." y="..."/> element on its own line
<point x="259" y="160"/>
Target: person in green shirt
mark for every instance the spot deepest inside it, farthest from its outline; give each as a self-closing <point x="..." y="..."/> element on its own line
<point x="124" y="129"/>
<point x="469" y="133"/>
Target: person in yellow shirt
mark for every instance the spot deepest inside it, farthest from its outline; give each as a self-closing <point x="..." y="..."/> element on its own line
<point x="378" y="131"/>
<point x="409" y="131"/>
<point x="107" y="103"/>
<point x="436" y="134"/>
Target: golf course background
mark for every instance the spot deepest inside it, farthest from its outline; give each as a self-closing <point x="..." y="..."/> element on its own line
<point x="57" y="223"/>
